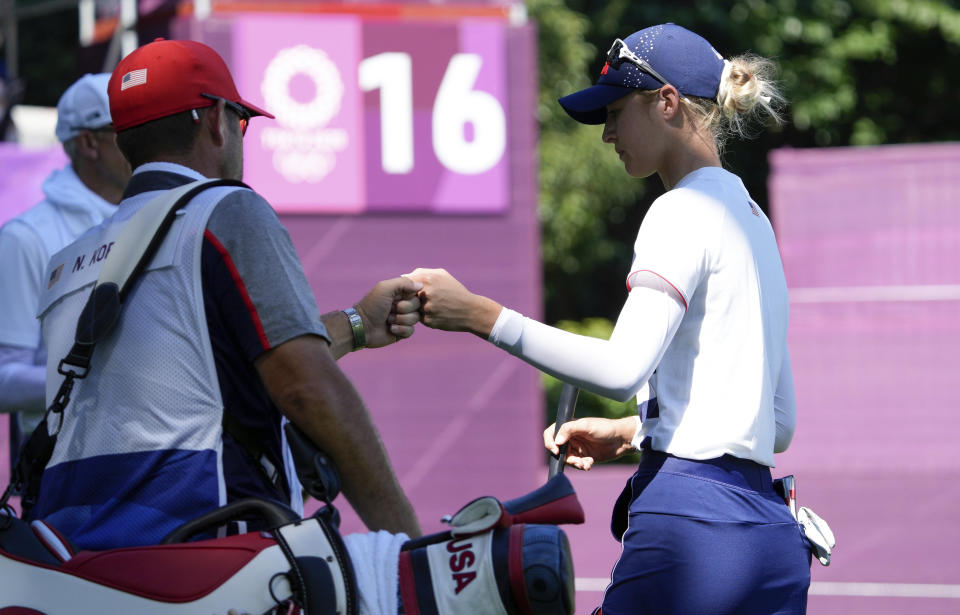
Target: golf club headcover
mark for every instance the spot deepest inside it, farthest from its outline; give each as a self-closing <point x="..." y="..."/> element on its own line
<point x="554" y="503"/>
<point x="516" y="570"/>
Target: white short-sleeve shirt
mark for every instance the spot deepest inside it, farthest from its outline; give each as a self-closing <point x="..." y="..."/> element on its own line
<point x="715" y="385"/>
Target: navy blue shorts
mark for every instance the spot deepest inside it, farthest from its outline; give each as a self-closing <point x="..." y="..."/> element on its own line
<point x="706" y="538"/>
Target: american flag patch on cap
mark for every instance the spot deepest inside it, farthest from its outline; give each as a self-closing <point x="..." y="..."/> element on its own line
<point x="133" y="78"/>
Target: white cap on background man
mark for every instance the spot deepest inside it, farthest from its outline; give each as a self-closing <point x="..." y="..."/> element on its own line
<point x="83" y="106"/>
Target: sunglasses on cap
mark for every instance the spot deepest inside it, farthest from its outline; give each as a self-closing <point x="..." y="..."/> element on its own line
<point x="240" y="110"/>
<point x="620" y="53"/>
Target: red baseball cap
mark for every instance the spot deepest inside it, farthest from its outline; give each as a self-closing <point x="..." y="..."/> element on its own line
<point x="167" y="77"/>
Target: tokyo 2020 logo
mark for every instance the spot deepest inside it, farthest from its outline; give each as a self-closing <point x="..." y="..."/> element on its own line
<point x="304" y="149"/>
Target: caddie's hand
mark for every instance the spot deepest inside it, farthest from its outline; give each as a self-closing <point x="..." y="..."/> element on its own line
<point x="390" y="310"/>
<point x="446" y="304"/>
<point x="591" y="440"/>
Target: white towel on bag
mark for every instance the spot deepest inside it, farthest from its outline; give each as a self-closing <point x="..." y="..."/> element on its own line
<point x="375" y="556"/>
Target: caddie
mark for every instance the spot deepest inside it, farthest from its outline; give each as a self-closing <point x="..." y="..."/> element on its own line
<point x="220" y="340"/>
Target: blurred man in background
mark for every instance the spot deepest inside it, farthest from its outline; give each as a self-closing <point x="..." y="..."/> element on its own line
<point x="78" y="196"/>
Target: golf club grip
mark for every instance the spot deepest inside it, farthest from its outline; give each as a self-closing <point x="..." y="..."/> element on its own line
<point x="568" y="401"/>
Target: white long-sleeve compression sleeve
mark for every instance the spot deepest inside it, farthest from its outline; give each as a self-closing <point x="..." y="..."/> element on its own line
<point x="615" y="368"/>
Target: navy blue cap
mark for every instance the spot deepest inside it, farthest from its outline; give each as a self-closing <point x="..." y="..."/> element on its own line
<point x="683" y="58"/>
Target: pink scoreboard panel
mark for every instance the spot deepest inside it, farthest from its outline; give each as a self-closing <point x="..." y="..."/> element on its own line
<point x="372" y="115"/>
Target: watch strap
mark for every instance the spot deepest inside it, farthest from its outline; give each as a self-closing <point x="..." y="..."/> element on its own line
<point x="356" y="326"/>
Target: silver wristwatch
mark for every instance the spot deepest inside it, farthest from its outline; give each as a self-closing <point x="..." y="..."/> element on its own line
<point x="356" y="325"/>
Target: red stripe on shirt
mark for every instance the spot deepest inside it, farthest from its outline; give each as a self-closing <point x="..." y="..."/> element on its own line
<point x="677" y="290"/>
<point x="241" y="287"/>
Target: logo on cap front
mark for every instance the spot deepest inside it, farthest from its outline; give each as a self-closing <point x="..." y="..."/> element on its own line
<point x="133" y="78"/>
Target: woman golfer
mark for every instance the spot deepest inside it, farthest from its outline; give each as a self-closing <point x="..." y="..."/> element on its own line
<point x="701" y="341"/>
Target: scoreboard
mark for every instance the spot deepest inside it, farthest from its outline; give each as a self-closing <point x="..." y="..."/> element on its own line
<point x="374" y="115"/>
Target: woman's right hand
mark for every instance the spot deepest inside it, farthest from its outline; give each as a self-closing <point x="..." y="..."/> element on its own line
<point x="592" y="440"/>
<point x="446" y="304"/>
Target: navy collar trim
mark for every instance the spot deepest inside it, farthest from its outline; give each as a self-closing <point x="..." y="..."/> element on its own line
<point x="148" y="181"/>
